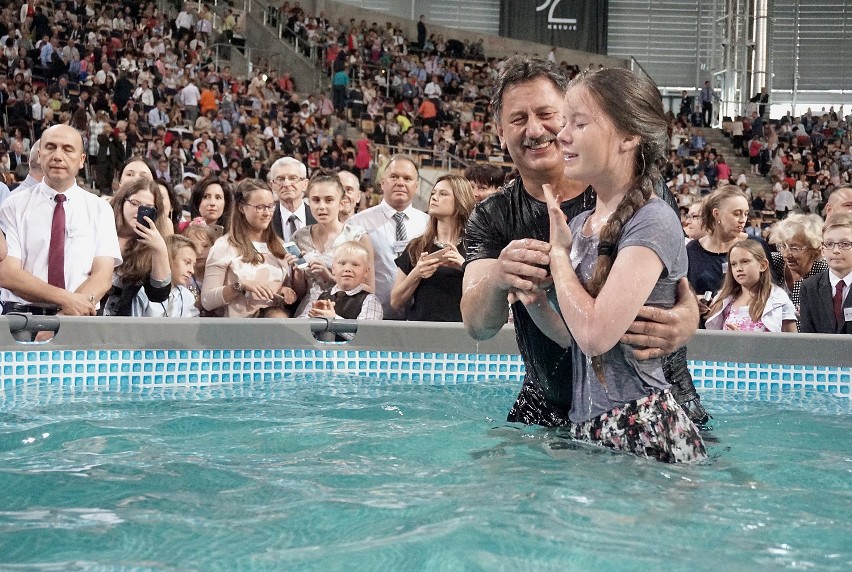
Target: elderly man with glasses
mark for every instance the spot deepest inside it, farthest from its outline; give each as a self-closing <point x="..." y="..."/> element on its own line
<point x="288" y="180"/>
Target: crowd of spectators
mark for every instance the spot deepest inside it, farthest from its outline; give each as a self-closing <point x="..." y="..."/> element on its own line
<point x="808" y="166"/>
<point x="139" y="84"/>
<point x="135" y="81"/>
<point x="804" y="159"/>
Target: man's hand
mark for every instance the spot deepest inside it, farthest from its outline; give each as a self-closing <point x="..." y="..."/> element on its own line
<point x="657" y="332"/>
<point x="522" y="265"/>
<point x="77" y="304"/>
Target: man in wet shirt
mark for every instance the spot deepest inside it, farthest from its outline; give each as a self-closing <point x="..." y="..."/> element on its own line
<point x="507" y="248"/>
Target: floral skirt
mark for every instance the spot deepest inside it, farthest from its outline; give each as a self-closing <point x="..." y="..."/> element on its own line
<point x="654" y="426"/>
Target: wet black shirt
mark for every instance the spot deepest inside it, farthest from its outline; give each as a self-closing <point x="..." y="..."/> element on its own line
<point x="512" y="214"/>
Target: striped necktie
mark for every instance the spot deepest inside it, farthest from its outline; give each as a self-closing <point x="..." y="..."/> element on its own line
<point x="401" y="234"/>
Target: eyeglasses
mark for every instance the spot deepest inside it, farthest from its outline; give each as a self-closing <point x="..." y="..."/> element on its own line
<point x="262" y="208"/>
<point x="841" y="245"/>
<point x="287" y="179"/>
<point x="793" y="249"/>
<point x="137" y="204"/>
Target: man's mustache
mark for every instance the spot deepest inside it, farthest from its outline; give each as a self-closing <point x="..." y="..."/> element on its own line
<point x="546" y="138"/>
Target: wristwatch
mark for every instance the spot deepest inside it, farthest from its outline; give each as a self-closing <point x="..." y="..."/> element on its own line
<point x="238" y="287"/>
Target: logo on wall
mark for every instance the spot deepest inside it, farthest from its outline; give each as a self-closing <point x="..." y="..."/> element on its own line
<point x="554" y="22"/>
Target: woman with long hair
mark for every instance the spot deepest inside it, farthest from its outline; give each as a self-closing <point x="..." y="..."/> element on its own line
<point x="140" y="167"/>
<point x="319" y="241"/>
<point x="625" y="253"/>
<point x="429" y="277"/>
<point x="145" y="258"/>
<point x="212" y="201"/>
<point x="247" y="273"/>
<point x="723" y="216"/>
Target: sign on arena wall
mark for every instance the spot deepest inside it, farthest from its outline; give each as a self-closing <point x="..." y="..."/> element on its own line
<point x="574" y="24"/>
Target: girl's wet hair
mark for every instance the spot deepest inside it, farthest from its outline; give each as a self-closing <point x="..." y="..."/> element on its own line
<point x="634" y="106"/>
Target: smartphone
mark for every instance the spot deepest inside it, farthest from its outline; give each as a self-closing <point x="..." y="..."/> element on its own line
<point x="143" y="212"/>
<point x="437" y="253"/>
<point x="218" y="230"/>
<point x="294" y="250"/>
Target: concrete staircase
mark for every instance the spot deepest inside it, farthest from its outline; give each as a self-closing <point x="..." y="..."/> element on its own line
<point x="735" y="160"/>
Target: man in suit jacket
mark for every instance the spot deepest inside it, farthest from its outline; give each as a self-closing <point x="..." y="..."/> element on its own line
<point x="380" y="132"/>
<point x="288" y="179"/>
<point x="122" y="148"/>
<point x="825" y="304"/>
<point x="17" y="156"/>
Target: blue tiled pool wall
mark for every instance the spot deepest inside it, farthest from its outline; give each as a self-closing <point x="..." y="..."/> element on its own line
<point x="106" y="369"/>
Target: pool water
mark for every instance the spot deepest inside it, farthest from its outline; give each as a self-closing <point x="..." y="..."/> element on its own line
<point x="362" y="474"/>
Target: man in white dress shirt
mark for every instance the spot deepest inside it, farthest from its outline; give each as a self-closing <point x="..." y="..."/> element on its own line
<point x="390" y="237"/>
<point x="91" y="250"/>
<point x="158" y="117"/>
<point x="288" y="180"/>
<point x="190" y="96"/>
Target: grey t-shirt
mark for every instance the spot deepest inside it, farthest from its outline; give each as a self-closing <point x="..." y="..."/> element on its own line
<point x="655" y="226"/>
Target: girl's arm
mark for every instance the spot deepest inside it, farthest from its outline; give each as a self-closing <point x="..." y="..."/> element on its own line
<point x="597" y="324"/>
<point x="545" y="317"/>
<point x="789" y="327"/>
<point x="214" y="292"/>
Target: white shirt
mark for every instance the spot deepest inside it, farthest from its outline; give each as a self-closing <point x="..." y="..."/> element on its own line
<point x="432" y="89"/>
<point x="4" y="193"/>
<point x="190" y="95"/>
<point x="184" y="20"/>
<point x="181" y="304"/>
<point x="301" y="218"/>
<point x="379" y="223"/>
<point x="90" y="233"/>
<point x="156" y="117"/>
<point x="785" y="201"/>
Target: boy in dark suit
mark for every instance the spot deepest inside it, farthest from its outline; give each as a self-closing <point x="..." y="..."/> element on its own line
<point x="825" y="304"/>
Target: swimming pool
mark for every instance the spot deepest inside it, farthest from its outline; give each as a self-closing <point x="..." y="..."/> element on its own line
<point x="270" y="457"/>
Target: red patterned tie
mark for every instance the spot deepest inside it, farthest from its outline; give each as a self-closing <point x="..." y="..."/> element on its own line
<point x="838" y="302"/>
<point x="56" y="254"/>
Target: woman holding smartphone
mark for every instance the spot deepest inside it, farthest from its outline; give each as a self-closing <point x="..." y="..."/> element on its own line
<point x="318" y="242"/>
<point x="212" y="201"/>
<point x="247" y="273"/>
<point x="142" y="223"/>
<point x="429" y="276"/>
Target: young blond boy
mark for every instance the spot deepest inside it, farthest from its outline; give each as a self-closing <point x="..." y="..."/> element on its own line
<point x="181" y="303"/>
<point x="347" y="298"/>
<point x="825" y="305"/>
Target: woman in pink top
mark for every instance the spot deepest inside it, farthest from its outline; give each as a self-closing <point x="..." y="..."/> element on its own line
<point x="247" y="271"/>
<point x="363" y="153"/>
<point x="723" y="171"/>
